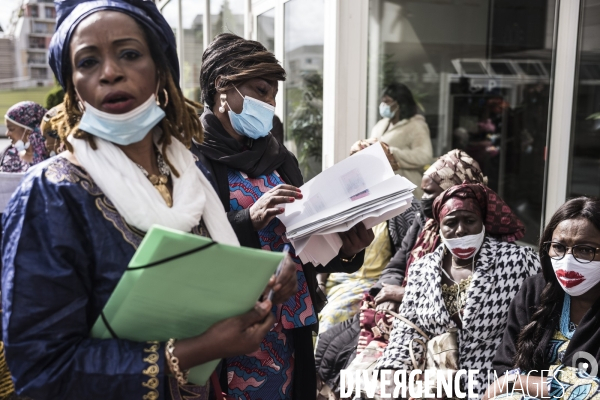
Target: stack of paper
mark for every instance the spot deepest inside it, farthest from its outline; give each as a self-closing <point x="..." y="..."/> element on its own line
<point x="361" y="188"/>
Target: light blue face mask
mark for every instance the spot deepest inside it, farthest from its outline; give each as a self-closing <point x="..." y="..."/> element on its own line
<point x="385" y="110"/>
<point x="255" y="120"/>
<point x="122" y="129"/>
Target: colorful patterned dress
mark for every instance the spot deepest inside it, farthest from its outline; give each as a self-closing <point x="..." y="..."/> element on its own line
<point x="345" y="291"/>
<point x="267" y="373"/>
<point x="568" y="383"/>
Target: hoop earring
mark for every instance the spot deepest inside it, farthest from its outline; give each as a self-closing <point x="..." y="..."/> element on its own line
<point x="80" y="106"/>
<point x="223" y="102"/>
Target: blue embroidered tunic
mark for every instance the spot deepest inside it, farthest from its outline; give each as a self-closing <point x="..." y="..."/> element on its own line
<point x="64" y="249"/>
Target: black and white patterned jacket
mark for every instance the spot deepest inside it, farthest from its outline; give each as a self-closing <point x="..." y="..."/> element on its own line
<point x="500" y="269"/>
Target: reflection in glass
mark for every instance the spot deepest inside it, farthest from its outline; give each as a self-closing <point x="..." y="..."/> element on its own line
<point x="193" y="47"/>
<point x="585" y="167"/>
<point x="303" y="62"/>
<point x="227" y="16"/>
<point x="266" y="29"/>
<point x="480" y="73"/>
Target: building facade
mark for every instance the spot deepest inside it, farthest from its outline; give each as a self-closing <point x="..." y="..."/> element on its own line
<point x="31" y="29"/>
<point x="515" y="84"/>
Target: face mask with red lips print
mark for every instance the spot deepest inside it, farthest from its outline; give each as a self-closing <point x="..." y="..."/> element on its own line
<point x="576" y="278"/>
<point x="464" y="247"/>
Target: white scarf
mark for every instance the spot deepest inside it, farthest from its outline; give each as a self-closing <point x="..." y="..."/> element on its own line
<point x="140" y="204"/>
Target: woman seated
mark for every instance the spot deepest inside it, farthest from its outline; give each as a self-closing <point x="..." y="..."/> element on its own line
<point x="554" y="321"/>
<point x="27" y="148"/>
<point x="422" y="238"/>
<point x="466" y="283"/>
<point x="77" y="219"/>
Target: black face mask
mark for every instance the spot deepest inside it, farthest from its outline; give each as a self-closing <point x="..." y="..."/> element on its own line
<point x="427" y="206"/>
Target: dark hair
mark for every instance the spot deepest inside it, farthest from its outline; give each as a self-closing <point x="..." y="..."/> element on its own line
<point x="235" y="60"/>
<point x="404" y="97"/>
<point x="181" y="121"/>
<point x="529" y="355"/>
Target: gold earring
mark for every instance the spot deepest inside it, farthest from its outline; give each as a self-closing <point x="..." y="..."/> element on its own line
<point x="223" y="102"/>
<point x="80" y="106"/>
<point x="166" y="97"/>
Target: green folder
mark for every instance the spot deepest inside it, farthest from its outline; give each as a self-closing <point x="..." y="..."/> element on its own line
<point x="186" y="284"/>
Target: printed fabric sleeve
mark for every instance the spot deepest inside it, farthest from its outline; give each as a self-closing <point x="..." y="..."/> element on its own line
<point x="49" y="298"/>
<point x="572" y="383"/>
<point x="397" y="355"/>
<point x="419" y="153"/>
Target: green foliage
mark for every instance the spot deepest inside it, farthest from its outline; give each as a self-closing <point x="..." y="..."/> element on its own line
<point x="54" y="97"/>
<point x="305" y="126"/>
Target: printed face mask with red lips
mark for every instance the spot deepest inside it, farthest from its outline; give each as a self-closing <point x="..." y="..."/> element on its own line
<point x="464" y="247"/>
<point x="574" y="277"/>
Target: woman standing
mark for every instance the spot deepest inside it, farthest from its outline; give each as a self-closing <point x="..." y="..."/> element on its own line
<point x="23" y="124"/>
<point x="76" y="221"/>
<point x="403" y="133"/>
<point x="255" y="175"/>
<point x="466" y="283"/>
<point x="554" y="321"/>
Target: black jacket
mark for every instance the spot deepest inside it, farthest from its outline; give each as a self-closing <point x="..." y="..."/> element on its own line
<point x="522" y="307"/>
<point x="305" y="384"/>
<point x="395" y="271"/>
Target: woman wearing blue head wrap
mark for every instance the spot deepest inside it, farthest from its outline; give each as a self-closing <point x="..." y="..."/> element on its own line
<point x="77" y="219"/>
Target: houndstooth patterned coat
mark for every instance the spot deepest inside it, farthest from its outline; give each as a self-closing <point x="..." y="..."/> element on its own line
<point x="500" y="269"/>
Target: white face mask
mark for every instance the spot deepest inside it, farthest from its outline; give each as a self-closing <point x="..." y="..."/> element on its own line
<point x="464" y="247"/>
<point x="576" y="278"/>
<point x="21" y="146"/>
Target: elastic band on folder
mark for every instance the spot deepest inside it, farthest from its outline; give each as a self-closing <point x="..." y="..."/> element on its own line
<point x="175" y="257"/>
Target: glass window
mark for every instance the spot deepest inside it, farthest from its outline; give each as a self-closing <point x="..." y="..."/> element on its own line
<point x="266" y="29"/>
<point x="37" y="42"/>
<point x="33" y="10"/>
<point x="227" y="16"/>
<point x="303" y="32"/>
<point x="479" y="73"/>
<point x="50" y="12"/>
<point x="585" y="162"/>
<point x="193" y="47"/>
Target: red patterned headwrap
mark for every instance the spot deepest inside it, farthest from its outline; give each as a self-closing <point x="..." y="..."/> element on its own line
<point x="498" y="218"/>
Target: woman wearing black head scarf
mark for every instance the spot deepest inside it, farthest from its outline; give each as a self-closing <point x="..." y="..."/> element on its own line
<point x="255" y="176"/>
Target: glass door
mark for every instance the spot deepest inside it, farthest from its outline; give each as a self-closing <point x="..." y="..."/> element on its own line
<point x="480" y="73"/>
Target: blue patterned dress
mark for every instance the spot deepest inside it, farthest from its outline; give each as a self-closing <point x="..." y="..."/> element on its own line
<point x="267" y="373"/>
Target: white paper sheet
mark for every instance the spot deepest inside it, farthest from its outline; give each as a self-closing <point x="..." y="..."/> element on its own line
<point x="361" y="188"/>
<point x="9" y="182"/>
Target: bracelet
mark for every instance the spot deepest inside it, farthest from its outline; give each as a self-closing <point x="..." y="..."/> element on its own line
<point x="182" y="377"/>
<point x="347" y="260"/>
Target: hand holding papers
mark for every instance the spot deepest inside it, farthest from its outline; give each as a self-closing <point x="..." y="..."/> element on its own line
<point x="361" y="188"/>
<point x="178" y="285"/>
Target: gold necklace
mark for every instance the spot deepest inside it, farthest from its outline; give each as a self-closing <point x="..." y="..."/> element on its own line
<point x="160" y="181"/>
<point x="456" y="266"/>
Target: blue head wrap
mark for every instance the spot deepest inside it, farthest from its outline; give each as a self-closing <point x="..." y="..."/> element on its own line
<point x="69" y="13"/>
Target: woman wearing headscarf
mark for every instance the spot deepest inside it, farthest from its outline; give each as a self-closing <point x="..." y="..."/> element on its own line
<point x="403" y="133"/>
<point x="553" y="333"/>
<point x="422" y="238"/>
<point x="255" y="176"/>
<point x="74" y="224"/>
<point x="27" y="148"/>
<point x="336" y="348"/>
<point x="467" y="283"/>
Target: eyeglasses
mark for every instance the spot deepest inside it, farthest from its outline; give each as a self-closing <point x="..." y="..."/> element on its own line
<point x="581" y="252"/>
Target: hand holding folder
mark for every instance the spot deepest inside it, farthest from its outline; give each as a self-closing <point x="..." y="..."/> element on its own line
<point x="178" y="285"/>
